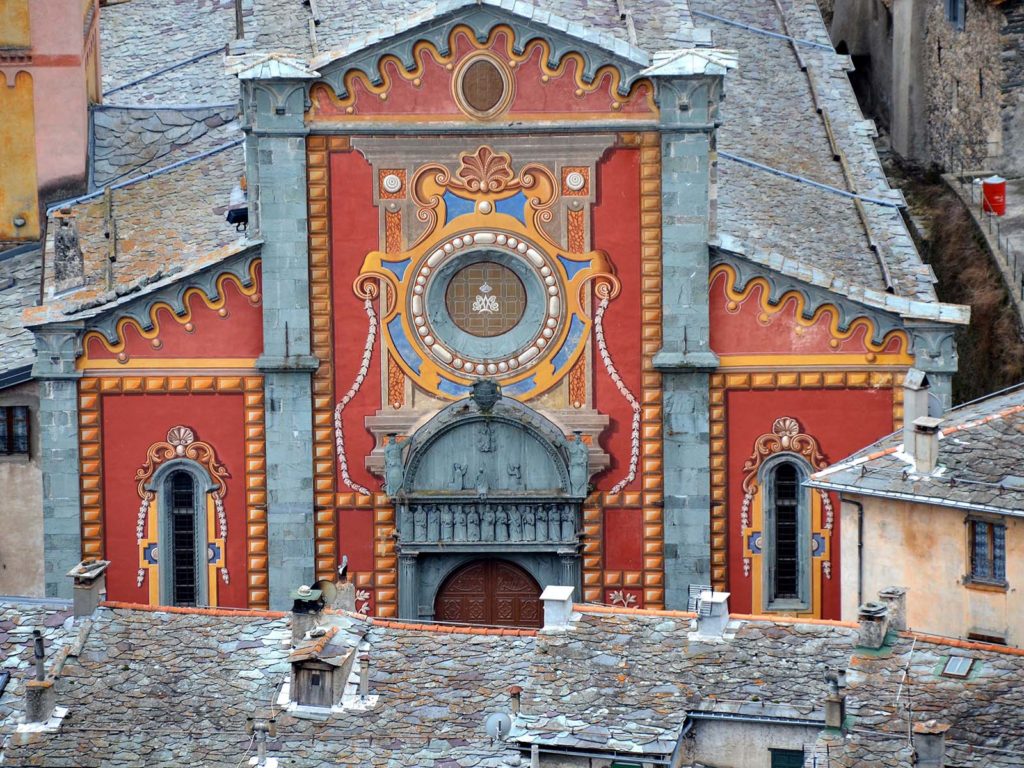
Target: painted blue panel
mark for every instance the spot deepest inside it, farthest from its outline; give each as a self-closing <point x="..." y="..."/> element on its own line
<point x="817" y="545"/>
<point x="398" y="267"/>
<point x="512" y="206"/>
<point x="402" y="344"/>
<point x="520" y="387"/>
<point x="754" y="542"/>
<point x="455" y="206"/>
<point x="212" y="554"/>
<point x="449" y="387"/>
<point x="572" y="341"/>
<point x="572" y="266"/>
<point x="149" y="553"/>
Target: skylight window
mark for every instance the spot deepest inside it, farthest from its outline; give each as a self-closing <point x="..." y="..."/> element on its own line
<point x="957" y="666"/>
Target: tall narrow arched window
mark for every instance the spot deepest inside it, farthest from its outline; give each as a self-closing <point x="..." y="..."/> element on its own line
<point x="786" y="533"/>
<point x="182" y="544"/>
<point x="787" y="541"/>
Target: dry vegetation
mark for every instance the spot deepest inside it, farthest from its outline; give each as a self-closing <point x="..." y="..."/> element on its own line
<point x="992" y="348"/>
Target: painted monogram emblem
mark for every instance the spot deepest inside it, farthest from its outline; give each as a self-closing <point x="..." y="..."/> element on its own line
<point x="484" y="302"/>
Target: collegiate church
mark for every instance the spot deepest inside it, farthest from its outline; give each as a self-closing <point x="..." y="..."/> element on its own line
<point x="573" y="293"/>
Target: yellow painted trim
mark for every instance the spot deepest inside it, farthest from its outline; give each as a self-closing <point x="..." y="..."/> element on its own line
<point x="844" y="360"/>
<point x="159" y="364"/>
<point x="84" y="363"/>
<point x="738" y="297"/>
<point x="153" y="532"/>
<point x="211" y="537"/>
<point x="424" y="48"/>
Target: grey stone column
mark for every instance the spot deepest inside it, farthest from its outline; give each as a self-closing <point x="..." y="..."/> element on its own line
<point x="934" y="348"/>
<point x="685" y="360"/>
<point x="570" y="571"/>
<point x="408" y="584"/>
<point x="57" y="348"/>
<point x="276" y="158"/>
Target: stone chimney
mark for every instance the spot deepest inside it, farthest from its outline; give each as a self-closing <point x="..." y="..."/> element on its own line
<point x="925" y="434"/>
<point x="835" y="700"/>
<point x="930" y="744"/>
<point x="557" y="607"/>
<point x="895" y="599"/>
<point x="40" y="697"/>
<point x="307" y="611"/>
<point x="874" y="625"/>
<point x="90" y="585"/>
<point x="516" y="696"/>
<point x="713" y="613"/>
<point x="68" y="266"/>
<point x="916" y="391"/>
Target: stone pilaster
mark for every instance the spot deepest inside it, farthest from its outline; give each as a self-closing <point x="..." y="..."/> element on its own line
<point x="688" y="108"/>
<point x="934" y="348"/>
<point x="57" y="348"/>
<point x="408" y="584"/>
<point x="276" y="160"/>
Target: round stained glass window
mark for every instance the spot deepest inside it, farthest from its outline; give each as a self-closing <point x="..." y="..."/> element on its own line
<point x="485" y="299"/>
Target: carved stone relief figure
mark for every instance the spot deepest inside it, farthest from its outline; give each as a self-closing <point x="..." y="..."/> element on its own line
<point x="473" y="521"/>
<point x="542" y="523"/>
<point x="420" y="528"/>
<point x="460" y="524"/>
<point x="515" y="524"/>
<point x="501" y="524"/>
<point x="487" y="532"/>
<point x="529" y="523"/>
<point x="568" y="523"/>
<point x="394" y="470"/>
<point x="515" y="474"/>
<point x="458" y="481"/>
<point x="433" y="523"/>
<point x="579" y="456"/>
<point x="447" y="523"/>
<point x="554" y="523"/>
<point x="482" y="486"/>
<point x="484" y="438"/>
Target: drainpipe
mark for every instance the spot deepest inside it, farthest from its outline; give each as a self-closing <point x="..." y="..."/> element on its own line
<point x="860" y="546"/>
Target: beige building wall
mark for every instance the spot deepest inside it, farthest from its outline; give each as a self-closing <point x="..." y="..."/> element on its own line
<point x="925" y="548"/>
<point x="21" y="506"/>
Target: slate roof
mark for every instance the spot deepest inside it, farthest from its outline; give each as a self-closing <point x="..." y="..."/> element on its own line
<point x="20" y="275"/>
<point x="168" y="225"/>
<point x="790" y="110"/>
<point x="161" y="687"/>
<point x="18" y="617"/>
<point x="980" y="462"/>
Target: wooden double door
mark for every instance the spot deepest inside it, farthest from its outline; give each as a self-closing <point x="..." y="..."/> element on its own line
<point x="492" y="592"/>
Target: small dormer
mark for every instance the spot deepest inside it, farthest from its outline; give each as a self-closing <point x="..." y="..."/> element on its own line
<point x="320" y="670"/>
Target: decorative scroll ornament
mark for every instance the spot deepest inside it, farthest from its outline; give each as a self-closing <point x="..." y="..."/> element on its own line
<point x="181" y="443"/>
<point x="786" y="437"/>
<point x="482" y="211"/>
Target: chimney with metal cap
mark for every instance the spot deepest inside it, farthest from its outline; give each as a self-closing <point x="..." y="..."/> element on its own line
<point x="557" y="606"/>
<point x="90" y="585"/>
<point x="515" y="693"/>
<point x="926" y="444"/>
<point x="916" y="392"/>
<point x="895" y="599"/>
<point x="40" y="696"/>
<point x="364" y="676"/>
<point x="930" y="744"/>
<point x="712" y="613"/>
<point x="307" y="610"/>
<point x="835" y="700"/>
<point x="874" y="625"/>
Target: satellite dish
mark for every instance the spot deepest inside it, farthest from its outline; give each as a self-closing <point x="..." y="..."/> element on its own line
<point x="498" y="725"/>
<point x="330" y="591"/>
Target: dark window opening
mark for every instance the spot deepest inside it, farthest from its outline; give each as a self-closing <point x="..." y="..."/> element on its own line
<point x="183" y="539"/>
<point x="787" y="758"/>
<point x="988" y="551"/>
<point x="956" y="13"/>
<point x="786" y="551"/>
<point x="14" y="430"/>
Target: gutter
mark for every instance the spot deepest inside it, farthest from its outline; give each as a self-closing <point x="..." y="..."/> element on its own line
<point x="641" y="757"/>
<point x="842" y="488"/>
<point x="16" y="376"/>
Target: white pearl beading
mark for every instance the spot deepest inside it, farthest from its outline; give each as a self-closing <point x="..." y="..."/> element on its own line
<point x="456" y="362"/>
<point x="575" y="181"/>
<point x="391" y="183"/>
<point x="606" y="358"/>
<point x="364" y="367"/>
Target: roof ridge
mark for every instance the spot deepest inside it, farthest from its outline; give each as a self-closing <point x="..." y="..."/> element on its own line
<point x="794" y="620"/>
<point x="1013" y="409"/>
<point x="451" y="629"/>
<point x="615" y="609"/>
<point x="955" y="642"/>
<point x="118" y="605"/>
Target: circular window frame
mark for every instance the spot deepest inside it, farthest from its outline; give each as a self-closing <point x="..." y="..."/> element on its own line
<point x="505" y="355"/>
<point x="507" y="323"/>
<point x="506" y="78"/>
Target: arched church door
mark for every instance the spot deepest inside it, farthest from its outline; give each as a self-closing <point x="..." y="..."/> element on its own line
<point x="493" y="592"/>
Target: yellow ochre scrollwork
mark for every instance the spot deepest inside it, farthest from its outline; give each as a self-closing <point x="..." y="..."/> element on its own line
<point x="485" y="212"/>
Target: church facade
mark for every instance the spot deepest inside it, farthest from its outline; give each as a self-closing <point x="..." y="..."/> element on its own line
<point x="487" y="331"/>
